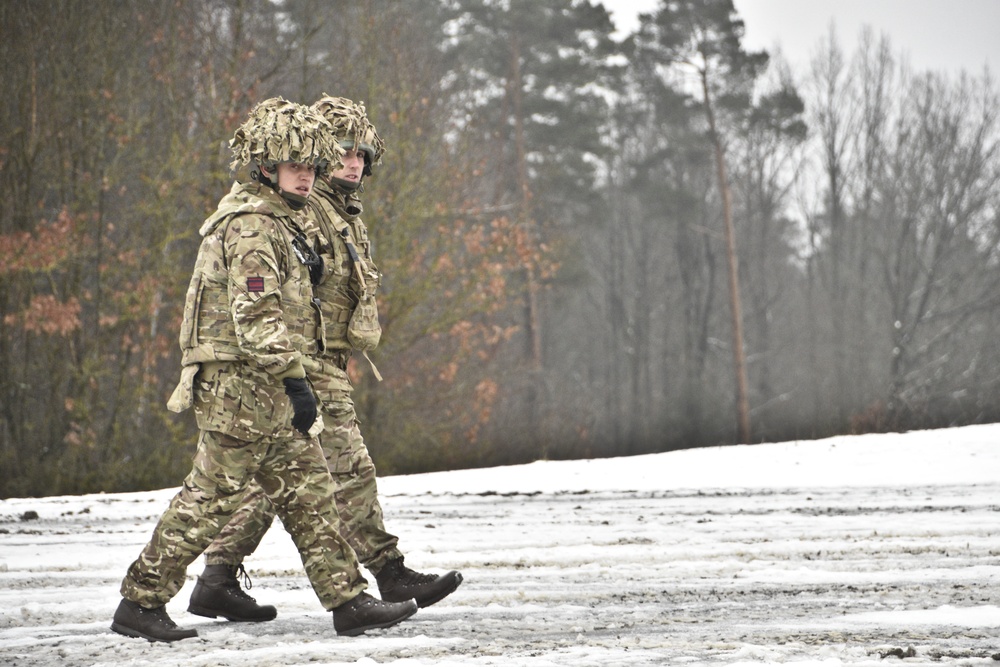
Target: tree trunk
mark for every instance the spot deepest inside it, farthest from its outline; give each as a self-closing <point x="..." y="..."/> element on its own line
<point x="739" y="358"/>
<point x="532" y="317"/>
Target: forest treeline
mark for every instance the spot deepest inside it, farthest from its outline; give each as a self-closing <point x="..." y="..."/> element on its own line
<point x="549" y="218"/>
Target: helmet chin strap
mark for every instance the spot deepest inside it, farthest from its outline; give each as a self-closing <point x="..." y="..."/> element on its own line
<point x="266" y="174"/>
<point x="258" y="174"/>
<point x="295" y="202"/>
<point x="347" y="186"/>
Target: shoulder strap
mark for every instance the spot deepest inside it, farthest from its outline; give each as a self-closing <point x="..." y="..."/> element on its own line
<point x="343" y="229"/>
<point x="360" y="267"/>
<point x="357" y="261"/>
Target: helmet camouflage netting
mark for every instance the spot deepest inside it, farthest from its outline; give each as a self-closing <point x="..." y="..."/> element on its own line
<point x="352" y="127"/>
<point x="281" y="131"/>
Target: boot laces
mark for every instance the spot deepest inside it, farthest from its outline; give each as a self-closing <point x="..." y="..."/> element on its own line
<point x="411" y="577"/>
<point x="360" y="601"/>
<point x="372" y="601"/>
<point x="240" y="571"/>
<point x="159" y="616"/>
<point x="240" y="576"/>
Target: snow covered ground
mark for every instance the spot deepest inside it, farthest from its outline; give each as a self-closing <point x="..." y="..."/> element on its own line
<point x="870" y="550"/>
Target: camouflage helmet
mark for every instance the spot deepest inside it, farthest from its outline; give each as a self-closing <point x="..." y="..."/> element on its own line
<point x="351" y="127"/>
<point x="281" y="131"/>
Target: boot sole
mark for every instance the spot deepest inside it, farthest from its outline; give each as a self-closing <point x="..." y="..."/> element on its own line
<point x="131" y="632"/>
<point x="354" y="632"/>
<point x="211" y="613"/>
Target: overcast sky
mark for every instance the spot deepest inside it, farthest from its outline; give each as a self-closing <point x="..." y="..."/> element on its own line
<point x="943" y="35"/>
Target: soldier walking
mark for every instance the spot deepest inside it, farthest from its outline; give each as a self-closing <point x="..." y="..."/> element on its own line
<point x="345" y="289"/>
<point x="249" y="326"/>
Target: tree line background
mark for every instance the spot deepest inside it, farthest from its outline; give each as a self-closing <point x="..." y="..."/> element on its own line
<point x="549" y="220"/>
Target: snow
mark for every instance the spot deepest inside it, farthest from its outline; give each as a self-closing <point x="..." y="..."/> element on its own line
<point x="865" y="550"/>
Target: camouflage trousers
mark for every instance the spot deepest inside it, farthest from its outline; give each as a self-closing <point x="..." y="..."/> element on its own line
<point x="355" y="492"/>
<point x="291" y="473"/>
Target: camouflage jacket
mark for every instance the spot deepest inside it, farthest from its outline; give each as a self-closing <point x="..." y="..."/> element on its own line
<point x="250" y="298"/>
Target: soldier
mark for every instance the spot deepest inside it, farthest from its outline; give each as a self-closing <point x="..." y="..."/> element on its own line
<point x="346" y="295"/>
<point x="249" y="324"/>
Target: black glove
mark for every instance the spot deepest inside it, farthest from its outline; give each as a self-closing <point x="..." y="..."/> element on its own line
<point x="303" y="404"/>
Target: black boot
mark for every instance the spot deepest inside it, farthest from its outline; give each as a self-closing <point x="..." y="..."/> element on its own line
<point x="397" y="582"/>
<point x="368" y="613"/>
<point x="218" y="593"/>
<point x="134" y="620"/>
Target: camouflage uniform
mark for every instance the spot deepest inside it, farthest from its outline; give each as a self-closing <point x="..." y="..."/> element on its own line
<point x="347" y="301"/>
<point x="249" y="323"/>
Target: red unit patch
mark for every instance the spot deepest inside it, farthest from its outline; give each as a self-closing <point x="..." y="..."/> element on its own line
<point x="255" y="284"/>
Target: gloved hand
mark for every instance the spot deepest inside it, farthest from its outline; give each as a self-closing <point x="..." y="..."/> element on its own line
<point x="303" y="403"/>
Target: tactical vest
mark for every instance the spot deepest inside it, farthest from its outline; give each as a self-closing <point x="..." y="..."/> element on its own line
<point x="347" y="295"/>
<point x="207" y="331"/>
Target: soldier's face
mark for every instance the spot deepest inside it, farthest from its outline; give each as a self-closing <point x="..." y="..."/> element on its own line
<point x="296" y="177"/>
<point x="354" y="165"/>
